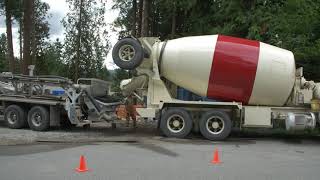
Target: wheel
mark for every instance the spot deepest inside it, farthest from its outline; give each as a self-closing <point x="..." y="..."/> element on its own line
<point x="127" y="53"/>
<point x="215" y="125"/>
<point x="176" y="122"/>
<point x="38" y="118"/>
<point x="15" y="117"/>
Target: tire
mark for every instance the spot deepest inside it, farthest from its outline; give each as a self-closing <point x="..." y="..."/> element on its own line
<point x="38" y="118"/>
<point x="222" y="128"/>
<point x="133" y="53"/>
<point x="15" y="117"/>
<point x="171" y="116"/>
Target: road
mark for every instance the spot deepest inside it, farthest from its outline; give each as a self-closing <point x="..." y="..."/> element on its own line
<point x="145" y="155"/>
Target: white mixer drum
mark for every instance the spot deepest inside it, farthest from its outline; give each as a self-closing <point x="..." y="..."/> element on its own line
<point x="230" y="69"/>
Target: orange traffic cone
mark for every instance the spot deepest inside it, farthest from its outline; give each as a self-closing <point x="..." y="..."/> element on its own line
<point x="82" y="166"/>
<point x="216" y="159"/>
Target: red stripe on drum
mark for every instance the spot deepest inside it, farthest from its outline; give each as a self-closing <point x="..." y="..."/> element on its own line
<point x="233" y="69"/>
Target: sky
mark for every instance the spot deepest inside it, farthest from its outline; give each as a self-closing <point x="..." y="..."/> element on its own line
<point x="58" y="10"/>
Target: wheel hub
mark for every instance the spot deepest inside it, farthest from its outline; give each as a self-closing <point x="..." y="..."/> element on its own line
<point x="175" y="123"/>
<point x="215" y="125"/>
<point x="36" y="119"/>
<point x="126" y="53"/>
<point x="12" y="118"/>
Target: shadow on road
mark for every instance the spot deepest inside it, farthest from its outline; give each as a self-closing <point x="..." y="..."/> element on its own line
<point x="155" y="148"/>
<point x="15" y="150"/>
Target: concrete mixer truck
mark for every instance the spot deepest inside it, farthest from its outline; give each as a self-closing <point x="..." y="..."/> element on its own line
<point x="249" y="84"/>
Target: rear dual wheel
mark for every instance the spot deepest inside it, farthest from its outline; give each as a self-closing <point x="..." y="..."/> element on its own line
<point x="215" y="125"/>
<point x="38" y="118"/>
<point x="15" y="117"/>
<point x="176" y="122"/>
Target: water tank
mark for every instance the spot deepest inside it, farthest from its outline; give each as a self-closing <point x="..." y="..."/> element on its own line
<point x="230" y="69"/>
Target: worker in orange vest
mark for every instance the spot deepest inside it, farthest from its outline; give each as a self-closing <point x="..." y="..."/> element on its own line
<point x="130" y="102"/>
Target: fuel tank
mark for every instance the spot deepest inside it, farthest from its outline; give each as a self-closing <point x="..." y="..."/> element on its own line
<point x="229" y="69"/>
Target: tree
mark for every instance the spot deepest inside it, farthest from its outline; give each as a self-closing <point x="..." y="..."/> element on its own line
<point x="130" y="17"/>
<point x="52" y="61"/>
<point x="9" y="8"/>
<point x="13" y="11"/>
<point x="3" y="52"/>
<point x="289" y="24"/>
<point x="78" y="43"/>
<point x="86" y="43"/>
<point x="27" y="30"/>
<point x="174" y="22"/>
<point x="139" y="18"/>
<point x="104" y="74"/>
<point x="117" y="77"/>
<point x="19" y="18"/>
<point x="40" y="35"/>
<point x="125" y="19"/>
<point x="145" y="18"/>
<point x="134" y="17"/>
<point x="164" y="18"/>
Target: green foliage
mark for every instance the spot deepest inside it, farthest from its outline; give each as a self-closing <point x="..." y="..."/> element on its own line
<point x="41" y="32"/>
<point x="93" y="47"/>
<point x="51" y="60"/>
<point x="41" y="29"/>
<point x="104" y="74"/>
<point x="124" y="21"/>
<point x="289" y="24"/>
<point x="57" y="58"/>
<point x="41" y="25"/>
<point x="117" y="76"/>
<point x="14" y="6"/>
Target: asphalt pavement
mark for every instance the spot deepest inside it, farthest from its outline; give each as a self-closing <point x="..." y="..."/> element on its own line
<point x="144" y="156"/>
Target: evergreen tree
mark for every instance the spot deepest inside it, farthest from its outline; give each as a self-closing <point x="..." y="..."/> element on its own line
<point x="289" y="24"/>
<point x="117" y="77"/>
<point x="54" y="57"/>
<point x="40" y="35"/>
<point x="86" y="43"/>
<point x="10" y="8"/>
